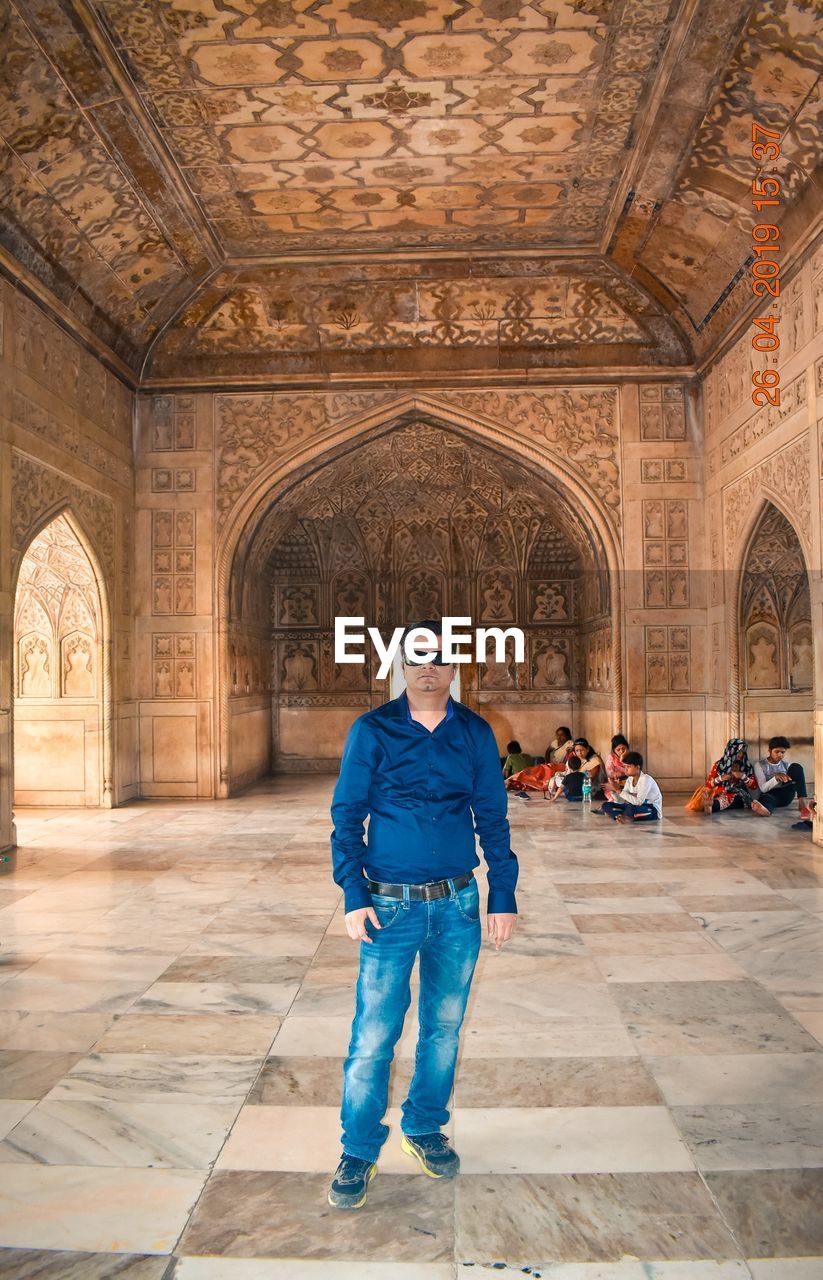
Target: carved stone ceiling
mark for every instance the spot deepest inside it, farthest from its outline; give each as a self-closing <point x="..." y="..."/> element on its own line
<point x="186" y="172"/>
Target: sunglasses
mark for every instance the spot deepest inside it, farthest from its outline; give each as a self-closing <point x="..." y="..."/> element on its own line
<point x="435" y="661"/>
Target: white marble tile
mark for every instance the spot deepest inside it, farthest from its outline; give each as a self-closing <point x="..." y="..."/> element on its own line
<point x="52" y="995"/>
<point x="106" y="1210"/>
<point x="786" y="1268"/>
<point x="120" y="1134"/>
<point x="739" y="1078"/>
<point x="304" y="1138"/>
<point x="12" y="1112"/>
<point x="218" y="997"/>
<point x="507" y="1140"/>
<point x="297" y="1269"/>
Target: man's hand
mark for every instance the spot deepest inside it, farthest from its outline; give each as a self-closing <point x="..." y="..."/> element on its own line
<point x="501" y="927"/>
<point x="356" y="923"/>
<point x="782" y="777"/>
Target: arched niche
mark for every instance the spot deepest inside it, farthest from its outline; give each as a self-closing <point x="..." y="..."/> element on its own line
<point x="420" y="519"/>
<point x="60" y="681"/>
<point x="774" y="628"/>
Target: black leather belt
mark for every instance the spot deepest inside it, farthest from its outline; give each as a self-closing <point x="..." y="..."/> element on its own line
<point x="422" y="892"/>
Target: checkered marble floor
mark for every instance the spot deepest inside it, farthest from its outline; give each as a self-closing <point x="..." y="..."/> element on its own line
<point x="639" y="1096"/>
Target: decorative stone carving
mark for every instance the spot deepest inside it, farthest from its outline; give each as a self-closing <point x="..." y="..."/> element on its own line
<point x="34" y="666"/>
<point x="78" y="667"/>
<point x="787" y="474"/>
<point x="37" y="490"/>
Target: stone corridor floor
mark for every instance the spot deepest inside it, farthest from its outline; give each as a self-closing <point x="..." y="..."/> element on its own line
<point x="640" y="1094"/>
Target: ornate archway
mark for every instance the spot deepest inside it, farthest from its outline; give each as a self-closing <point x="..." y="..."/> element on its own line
<point x="265" y="520"/>
<point x="773" y="634"/>
<point x="62" y="678"/>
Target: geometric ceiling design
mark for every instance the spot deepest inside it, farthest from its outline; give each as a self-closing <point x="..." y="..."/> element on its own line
<point x="344" y="178"/>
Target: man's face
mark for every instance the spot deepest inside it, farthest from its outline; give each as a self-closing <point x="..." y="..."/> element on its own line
<point x="429" y="677"/>
<point x="633" y="770"/>
<point x="776" y="754"/>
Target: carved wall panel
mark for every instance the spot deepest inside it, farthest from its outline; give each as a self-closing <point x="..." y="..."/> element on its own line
<point x="668" y="659"/>
<point x="173" y="562"/>
<point x="174" y="670"/>
<point x="785" y="473"/>
<point x="662" y="412"/>
<point x="666" y="553"/>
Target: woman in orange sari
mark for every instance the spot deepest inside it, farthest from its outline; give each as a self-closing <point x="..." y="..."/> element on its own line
<point x="538" y="776"/>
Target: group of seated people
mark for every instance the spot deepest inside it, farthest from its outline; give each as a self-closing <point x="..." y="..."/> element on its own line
<point x="773" y="782"/>
<point x="630" y="794"/>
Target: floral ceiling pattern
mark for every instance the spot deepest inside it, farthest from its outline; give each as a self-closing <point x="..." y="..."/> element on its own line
<point x="170" y="162"/>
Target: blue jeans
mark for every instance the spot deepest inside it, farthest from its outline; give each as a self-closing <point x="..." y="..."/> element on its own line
<point x="446" y="935"/>
<point x="643" y="812"/>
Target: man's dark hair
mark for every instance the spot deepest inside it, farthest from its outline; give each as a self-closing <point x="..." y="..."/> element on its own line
<point x="633" y="757"/>
<point x="513" y="748"/>
<point x="779" y="741"/>
<point x="432" y="625"/>
<point x="575" y="763"/>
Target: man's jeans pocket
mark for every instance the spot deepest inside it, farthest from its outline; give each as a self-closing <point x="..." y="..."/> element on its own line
<point x="468" y="901"/>
<point x="386" y="909"/>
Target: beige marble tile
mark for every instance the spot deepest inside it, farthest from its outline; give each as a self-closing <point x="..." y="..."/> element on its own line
<point x="554" y="1082"/>
<point x="158" y="1078"/>
<point x="51" y="995"/>
<point x="285" y="1215"/>
<point x="786" y="1268"/>
<point x="589" y="1217"/>
<point x="64" y="1032"/>
<point x="217" y="997"/>
<point x="661" y="968"/>
<point x="772" y="1212"/>
<point x="43" y="1264"/>
<point x="208" y="1033"/>
<point x="111" y="1210"/>
<point x="775" y="1135"/>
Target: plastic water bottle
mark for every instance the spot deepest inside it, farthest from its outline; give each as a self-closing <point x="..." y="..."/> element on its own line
<point x="587" y="790"/>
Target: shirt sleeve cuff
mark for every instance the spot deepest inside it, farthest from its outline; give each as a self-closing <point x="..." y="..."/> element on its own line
<point x="501" y="902"/>
<point x="357" y="896"/>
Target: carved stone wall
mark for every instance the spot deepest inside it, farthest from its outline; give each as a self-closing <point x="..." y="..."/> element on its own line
<point x="763" y="481"/>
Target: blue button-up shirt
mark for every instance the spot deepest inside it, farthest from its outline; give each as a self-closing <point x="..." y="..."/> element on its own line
<point x="419" y="790"/>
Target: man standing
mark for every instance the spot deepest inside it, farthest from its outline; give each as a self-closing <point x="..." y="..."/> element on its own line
<point x="780" y="781"/>
<point x="418" y="767"/>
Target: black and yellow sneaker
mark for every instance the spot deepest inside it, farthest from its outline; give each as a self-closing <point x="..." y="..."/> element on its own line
<point x="350" y="1183"/>
<point x="434" y="1154"/>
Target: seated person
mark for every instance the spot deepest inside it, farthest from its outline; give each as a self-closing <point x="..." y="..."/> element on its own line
<point x="615" y="773"/>
<point x="569" y="784"/>
<point x="516" y="759"/>
<point x="559" y="749"/>
<point x="731" y="783"/>
<point x="780" y="780"/>
<point x="640" y="800"/>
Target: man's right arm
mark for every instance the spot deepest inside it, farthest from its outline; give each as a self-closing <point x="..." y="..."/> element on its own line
<point x="349" y="810"/>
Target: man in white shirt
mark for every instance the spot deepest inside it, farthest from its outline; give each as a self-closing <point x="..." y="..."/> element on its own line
<point x="640" y="800"/>
<point x="780" y="780"/>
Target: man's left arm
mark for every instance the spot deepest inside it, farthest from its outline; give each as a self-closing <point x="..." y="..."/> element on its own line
<point x="489" y="804"/>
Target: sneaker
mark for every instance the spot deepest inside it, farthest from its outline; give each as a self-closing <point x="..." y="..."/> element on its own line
<point x="350" y="1183"/>
<point x="805" y="824"/>
<point x="434" y="1154"/>
<point x="806" y="813"/>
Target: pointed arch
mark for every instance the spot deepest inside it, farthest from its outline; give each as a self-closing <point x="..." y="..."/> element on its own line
<point x="288" y="470"/>
<point x="65" y="509"/>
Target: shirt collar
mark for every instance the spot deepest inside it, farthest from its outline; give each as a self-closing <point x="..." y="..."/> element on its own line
<point x="448" y="715"/>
